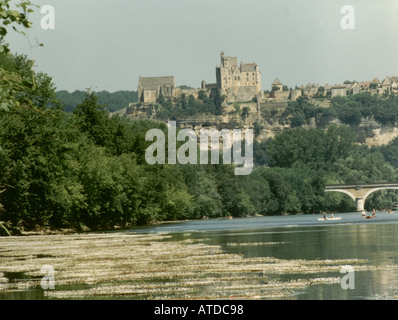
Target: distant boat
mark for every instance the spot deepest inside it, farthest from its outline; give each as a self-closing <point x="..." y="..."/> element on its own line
<point x="323" y="219"/>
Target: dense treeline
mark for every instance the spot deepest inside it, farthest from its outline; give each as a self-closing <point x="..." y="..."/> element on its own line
<point x="88" y="169"/>
<point x="112" y="101"/>
<point x="85" y="168"/>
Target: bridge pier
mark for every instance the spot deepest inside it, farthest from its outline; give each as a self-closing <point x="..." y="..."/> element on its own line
<point x="360" y="204"/>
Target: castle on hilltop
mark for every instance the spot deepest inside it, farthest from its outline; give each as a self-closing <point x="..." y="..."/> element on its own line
<point x="237" y="82"/>
<point x="242" y="83"/>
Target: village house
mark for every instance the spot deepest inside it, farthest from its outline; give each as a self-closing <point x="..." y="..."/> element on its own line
<point x="276" y="85"/>
<point x="310" y="89"/>
<point x="355" y="88"/>
<point x="338" y="91"/>
<point x="389" y="84"/>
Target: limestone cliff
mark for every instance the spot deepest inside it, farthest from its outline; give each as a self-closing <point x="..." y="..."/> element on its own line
<point x="266" y="119"/>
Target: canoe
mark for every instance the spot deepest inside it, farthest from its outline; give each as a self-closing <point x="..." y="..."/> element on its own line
<point x="335" y="218"/>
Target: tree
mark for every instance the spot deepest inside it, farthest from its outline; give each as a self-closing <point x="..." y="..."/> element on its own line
<point x="373" y="85"/>
<point x="93" y="119"/>
<point x="14" y="19"/>
<point x="298" y="119"/>
<point x="218" y="100"/>
<point x="245" y="112"/>
<point x="36" y="88"/>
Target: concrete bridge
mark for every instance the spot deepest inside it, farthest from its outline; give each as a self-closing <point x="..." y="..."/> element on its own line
<point x="359" y="192"/>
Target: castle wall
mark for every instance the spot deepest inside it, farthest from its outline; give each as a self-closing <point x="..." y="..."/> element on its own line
<point x="178" y="92"/>
<point x="239" y="94"/>
<point x="281" y="95"/>
<point x="295" y="94"/>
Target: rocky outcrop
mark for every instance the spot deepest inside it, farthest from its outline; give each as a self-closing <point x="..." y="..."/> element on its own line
<point x="267" y="120"/>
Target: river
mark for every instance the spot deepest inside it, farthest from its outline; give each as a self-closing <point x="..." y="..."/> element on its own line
<point x="305" y="237"/>
<point x="278" y="257"/>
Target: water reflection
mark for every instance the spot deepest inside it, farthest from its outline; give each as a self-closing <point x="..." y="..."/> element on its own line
<point x="376" y="243"/>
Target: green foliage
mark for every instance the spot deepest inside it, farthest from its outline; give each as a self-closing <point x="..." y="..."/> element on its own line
<point x="111" y="101"/>
<point x="20" y="85"/>
<point x="245" y="112"/>
<point x="350" y="110"/>
<point x="14" y="19"/>
<point x="188" y="106"/>
<point x="312" y="148"/>
<point x="300" y="111"/>
<point x="60" y="169"/>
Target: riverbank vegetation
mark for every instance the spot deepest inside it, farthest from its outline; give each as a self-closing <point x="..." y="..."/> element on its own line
<point x="85" y="169"/>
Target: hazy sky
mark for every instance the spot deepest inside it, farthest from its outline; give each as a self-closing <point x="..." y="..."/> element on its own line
<point x="108" y="44"/>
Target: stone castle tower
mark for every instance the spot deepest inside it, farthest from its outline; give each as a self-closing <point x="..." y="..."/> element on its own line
<point x="238" y="82"/>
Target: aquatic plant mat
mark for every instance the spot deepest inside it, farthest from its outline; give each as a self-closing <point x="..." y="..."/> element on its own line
<point x="152" y="266"/>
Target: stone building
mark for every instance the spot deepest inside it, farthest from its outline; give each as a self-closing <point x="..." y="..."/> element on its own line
<point x="149" y="88"/>
<point x="238" y="82"/>
<point x="355" y="88"/>
<point x="389" y="84"/>
<point x="277" y="91"/>
<point x="310" y="89"/>
<point x="276" y="85"/>
<point x="295" y="94"/>
<point x="339" y="91"/>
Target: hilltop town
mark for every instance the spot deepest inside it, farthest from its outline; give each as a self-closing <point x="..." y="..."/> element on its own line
<point x="242" y="83"/>
<point x="244" y="103"/>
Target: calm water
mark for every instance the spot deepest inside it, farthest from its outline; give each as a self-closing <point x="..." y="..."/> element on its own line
<point x="304" y="237"/>
<point x="301" y="237"/>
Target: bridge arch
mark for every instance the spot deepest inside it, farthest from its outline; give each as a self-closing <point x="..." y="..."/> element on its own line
<point x="360" y="192"/>
<point x="377" y="189"/>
